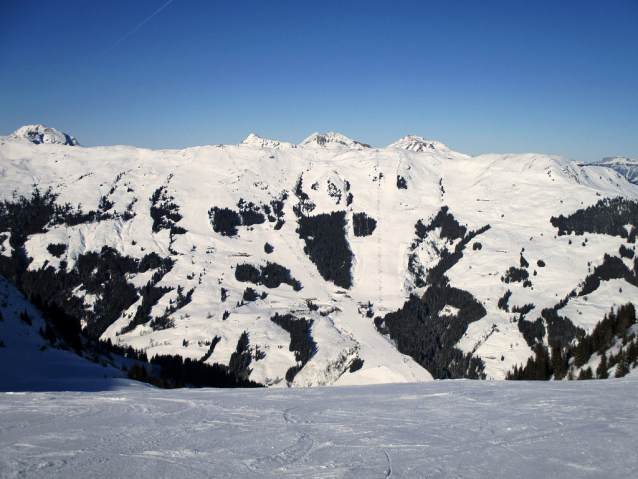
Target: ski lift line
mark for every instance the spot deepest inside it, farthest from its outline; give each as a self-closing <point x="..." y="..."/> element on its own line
<point x="195" y="157"/>
<point x="379" y="246"/>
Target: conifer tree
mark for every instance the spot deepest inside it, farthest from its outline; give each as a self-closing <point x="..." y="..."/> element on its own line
<point x="558" y="362"/>
<point x="622" y="368"/>
<point x="601" y="370"/>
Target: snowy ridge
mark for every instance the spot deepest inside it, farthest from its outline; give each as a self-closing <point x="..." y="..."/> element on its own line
<point x="163" y="202"/>
<point x="40" y="134"/>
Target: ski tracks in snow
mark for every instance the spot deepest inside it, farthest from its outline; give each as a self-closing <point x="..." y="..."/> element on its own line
<point x="292" y="456"/>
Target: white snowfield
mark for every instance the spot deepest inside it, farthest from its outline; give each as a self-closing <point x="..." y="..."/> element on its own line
<point x="516" y="194"/>
<point x="442" y="429"/>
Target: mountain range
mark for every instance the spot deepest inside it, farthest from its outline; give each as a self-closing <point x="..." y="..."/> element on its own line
<point x="323" y="263"/>
<point x="625" y="166"/>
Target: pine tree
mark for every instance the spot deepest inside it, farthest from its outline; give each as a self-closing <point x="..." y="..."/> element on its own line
<point x="622" y="368"/>
<point x="558" y="362"/>
<point x="586" y="374"/>
<point x="25" y="318"/>
<point x="601" y="370"/>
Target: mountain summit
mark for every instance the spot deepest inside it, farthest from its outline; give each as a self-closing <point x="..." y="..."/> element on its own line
<point x="255" y="141"/>
<point x="331" y="140"/>
<point x="40" y="134"/>
<point x="418" y="144"/>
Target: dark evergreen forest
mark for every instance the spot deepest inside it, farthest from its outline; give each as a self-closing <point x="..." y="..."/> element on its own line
<point x="557" y="363"/>
<point x="417" y="328"/>
<point x="363" y="225"/>
<point x="609" y="216"/>
<point x="327" y="246"/>
<point x="225" y="221"/>
<point x="301" y="342"/>
<point x="272" y="275"/>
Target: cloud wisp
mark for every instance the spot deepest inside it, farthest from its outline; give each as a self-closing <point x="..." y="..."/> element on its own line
<point x="135" y="29"/>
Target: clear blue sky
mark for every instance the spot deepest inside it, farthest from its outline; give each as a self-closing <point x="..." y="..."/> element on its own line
<point x="556" y="77"/>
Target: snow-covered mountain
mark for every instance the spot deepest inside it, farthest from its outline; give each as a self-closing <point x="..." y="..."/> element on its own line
<point x="343" y="264"/>
<point x="331" y="140"/>
<point x="40" y="134"/>
<point x="418" y="144"/>
<point x="254" y="141"/>
<point x="625" y="166"/>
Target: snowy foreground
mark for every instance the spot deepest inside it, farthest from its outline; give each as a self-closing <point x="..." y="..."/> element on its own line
<point x="439" y="429"/>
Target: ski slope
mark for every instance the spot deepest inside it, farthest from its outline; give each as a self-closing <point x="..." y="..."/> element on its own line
<point x="468" y="429"/>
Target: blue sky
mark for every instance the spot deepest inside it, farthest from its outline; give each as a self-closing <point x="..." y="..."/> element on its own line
<point x="556" y="77"/>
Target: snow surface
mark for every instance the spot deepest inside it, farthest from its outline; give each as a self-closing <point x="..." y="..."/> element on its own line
<point x="63" y="416"/>
<point x="460" y="429"/>
<point x="515" y="194"/>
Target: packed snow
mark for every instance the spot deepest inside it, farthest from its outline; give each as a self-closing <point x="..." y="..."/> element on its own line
<point x="460" y="429"/>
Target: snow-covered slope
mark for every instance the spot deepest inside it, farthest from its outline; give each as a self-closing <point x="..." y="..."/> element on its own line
<point x="30" y="363"/>
<point x="40" y="134"/>
<point x="468" y="429"/>
<point x="342" y="220"/>
<point x="625" y="166"/>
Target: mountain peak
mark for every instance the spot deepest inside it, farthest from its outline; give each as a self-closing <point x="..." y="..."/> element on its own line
<point x="418" y="144"/>
<point x="255" y="141"/>
<point x="40" y="134"/>
<point x="331" y="140"/>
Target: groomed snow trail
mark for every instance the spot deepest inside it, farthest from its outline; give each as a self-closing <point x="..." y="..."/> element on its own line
<point x="580" y="429"/>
